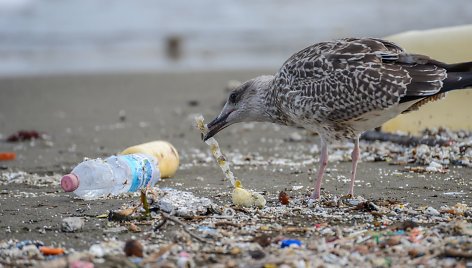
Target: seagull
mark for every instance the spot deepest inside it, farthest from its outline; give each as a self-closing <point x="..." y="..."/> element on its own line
<point x="340" y="89"/>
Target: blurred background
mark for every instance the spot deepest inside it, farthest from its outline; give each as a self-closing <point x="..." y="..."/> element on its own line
<point x="89" y="36"/>
<point x="101" y="75"/>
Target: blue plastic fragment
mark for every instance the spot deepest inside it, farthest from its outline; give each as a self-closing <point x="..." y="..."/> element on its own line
<point x="207" y="230"/>
<point x="135" y="260"/>
<point x="290" y="243"/>
<point x="23" y="243"/>
<point x="400" y="232"/>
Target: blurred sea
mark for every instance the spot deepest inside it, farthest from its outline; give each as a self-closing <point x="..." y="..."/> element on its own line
<point x="84" y="36"/>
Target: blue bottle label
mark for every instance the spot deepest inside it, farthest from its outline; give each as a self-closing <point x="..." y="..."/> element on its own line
<point x="141" y="171"/>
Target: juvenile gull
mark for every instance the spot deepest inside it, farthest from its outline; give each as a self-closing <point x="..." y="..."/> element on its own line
<point x="340" y="89"/>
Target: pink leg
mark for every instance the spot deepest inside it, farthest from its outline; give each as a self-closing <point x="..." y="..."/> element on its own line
<point x="355" y="158"/>
<point x="319" y="177"/>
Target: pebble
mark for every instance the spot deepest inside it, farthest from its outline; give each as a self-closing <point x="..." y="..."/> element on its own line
<point x="344" y="236"/>
<point x="432" y="211"/>
<point x="414" y="253"/>
<point x="393" y="241"/>
<point x="284" y="198"/>
<point x="257" y="254"/>
<point x="434" y="167"/>
<point x="72" y="224"/>
<point x="133" y="248"/>
<point x="403" y="237"/>
<point x="97" y="251"/>
<point x="235" y="251"/>
<point x="295" y="137"/>
<point x="362" y="249"/>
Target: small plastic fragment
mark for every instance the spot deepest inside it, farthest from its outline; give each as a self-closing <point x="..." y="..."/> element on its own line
<point x="245" y="198"/>
<point x="7" y="156"/>
<point x="290" y="243"/>
<point x="97" y="250"/>
<point x="242" y="197"/>
<point x="81" y="264"/>
<point x="51" y="251"/>
<point x="185" y="260"/>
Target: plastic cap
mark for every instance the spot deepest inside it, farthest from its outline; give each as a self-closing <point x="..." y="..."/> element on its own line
<point x="69" y="182"/>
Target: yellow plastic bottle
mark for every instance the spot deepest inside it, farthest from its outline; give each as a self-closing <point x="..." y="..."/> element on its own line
<point x="166" y="154"/>
<point x="450" y="45"/>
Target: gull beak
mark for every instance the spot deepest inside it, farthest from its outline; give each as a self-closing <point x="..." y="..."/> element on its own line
<point x="217" y="125"/>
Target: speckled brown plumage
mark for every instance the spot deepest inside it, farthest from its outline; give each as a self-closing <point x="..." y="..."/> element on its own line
<point x="340" y="89"/>
<point x="331" y="85"/>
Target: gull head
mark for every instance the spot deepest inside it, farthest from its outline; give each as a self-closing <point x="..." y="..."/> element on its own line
<point x="245" y="103"/>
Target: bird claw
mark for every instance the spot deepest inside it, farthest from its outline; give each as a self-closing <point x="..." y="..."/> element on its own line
<point x="314" y="198"/>
<point x="311" y="202"/>
<point x="316" y="195"/>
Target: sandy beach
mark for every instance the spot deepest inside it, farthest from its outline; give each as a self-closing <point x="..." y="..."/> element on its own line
<point x="99" y="115"/>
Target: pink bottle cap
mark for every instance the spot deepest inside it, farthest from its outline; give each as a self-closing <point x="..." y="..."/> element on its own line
<point x="69" y="182"/>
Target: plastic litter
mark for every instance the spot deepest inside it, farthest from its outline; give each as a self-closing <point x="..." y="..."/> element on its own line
<point x="245" y="198"/>
<point x="185" y="260"/>
<point x="51" y="251"/>
<point x="117" y="174"/>
<point x="7" y="156"/>
<point x="166" y="155"/>
<point x="240" y="196"/>
<point x="290" y="243"/>
<point x="81" y="264"/>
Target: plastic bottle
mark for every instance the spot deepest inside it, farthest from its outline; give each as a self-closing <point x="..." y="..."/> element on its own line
<point x="166" y="154"/>
<point x="116" y="174"/>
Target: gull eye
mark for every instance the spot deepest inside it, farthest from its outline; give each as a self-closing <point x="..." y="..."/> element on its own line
<point x="232" y="97"/>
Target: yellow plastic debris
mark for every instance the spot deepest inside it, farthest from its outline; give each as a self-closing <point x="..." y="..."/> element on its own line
<point x="241" y="197"/>
<point x="165" y="153"/>
<point x="450" y="45"/>
<point x="259" y="200"/>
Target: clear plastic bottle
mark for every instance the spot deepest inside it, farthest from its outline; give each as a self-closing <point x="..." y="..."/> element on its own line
<point x="166" y="155"/>
<point x="116" y="174"/>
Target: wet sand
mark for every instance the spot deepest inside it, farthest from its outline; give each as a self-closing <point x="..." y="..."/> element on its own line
<point x="81" y="114"/>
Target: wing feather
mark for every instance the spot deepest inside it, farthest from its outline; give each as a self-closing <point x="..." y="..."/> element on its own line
<point x="343" y="79"/>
